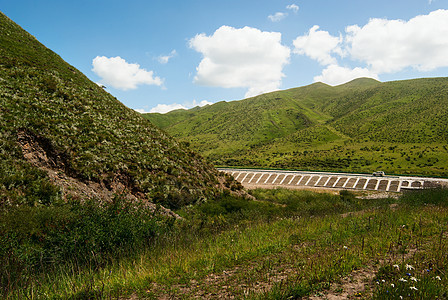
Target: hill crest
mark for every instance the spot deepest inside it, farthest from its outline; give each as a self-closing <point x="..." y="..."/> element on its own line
<point x="307" y="128"/>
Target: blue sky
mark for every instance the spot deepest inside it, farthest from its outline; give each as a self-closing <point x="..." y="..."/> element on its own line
<point x="160" y="55"/>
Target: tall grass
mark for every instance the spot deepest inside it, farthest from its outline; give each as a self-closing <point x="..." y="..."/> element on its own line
<point x="269" y="249"/>
<point x="37" y="241"/>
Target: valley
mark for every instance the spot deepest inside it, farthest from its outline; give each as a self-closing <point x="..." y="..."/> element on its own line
<point x="98" y="201"/>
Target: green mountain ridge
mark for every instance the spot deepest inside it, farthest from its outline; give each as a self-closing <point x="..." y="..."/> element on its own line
<point x="320" y="127"/>
<point x="61" y="135"/>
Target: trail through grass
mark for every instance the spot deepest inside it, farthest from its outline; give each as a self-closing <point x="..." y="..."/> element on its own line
<point x="291" y="253"/>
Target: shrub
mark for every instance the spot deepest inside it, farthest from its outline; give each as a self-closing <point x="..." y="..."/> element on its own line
<point x="37" y="239"/>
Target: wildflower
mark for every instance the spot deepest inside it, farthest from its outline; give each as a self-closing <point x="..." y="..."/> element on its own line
<point x="383" y="280"/>
<point x="438" y="278"/>
<point x="392" y="285"/>
<point x="409" y="267"/>
<point x="401" y="297"/>
<point x="397" y="266"/>
<point x="413" y="288"/>
<point x="409" y="274"/>
<point x="414" y="279"/>
<point x="402" y="280"/>
<point x="345" y="247"/>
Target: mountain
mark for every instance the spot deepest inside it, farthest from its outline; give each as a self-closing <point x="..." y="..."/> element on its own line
<point x="62" y="136"/>
<point x="361" y="126"/>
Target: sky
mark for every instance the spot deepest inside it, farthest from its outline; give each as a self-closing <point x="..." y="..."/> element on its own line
<point x="156" y="56"/>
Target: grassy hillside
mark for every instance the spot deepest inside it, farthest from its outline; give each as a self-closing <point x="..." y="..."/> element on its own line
<point x="57" y="128"/>
<point x="364" y="125"/>
<point x="84" y="180"/>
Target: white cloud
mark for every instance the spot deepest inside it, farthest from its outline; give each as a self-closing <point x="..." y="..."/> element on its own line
<point x="388" y="46"/>
<point x="318" y="45"/>
<point x="335" y="75"/>
<point x="201" y="104"/>
<point x="293" y="7"/>
<point x="119" y="74"/>
<point x="141" y="110"/>
<point x="277" y="17"/>
<point x="246" y="57"/>
<point x="163" y="59"/>
<point x="164" y="108"/>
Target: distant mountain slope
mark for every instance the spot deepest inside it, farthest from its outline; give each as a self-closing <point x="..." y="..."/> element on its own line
<point x="62" y="135"/>
<point x="271" y="130"/>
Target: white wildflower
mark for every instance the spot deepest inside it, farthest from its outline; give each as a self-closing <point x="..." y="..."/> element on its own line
<point x="392" y="285"/>
<point x="414" y="279"/>
<point x="397" y="266"/>
<point x="438" y="278"/>
<point x="409" y="267"/>
<point x="413" y="288"/>
<point x="402" y="280"/>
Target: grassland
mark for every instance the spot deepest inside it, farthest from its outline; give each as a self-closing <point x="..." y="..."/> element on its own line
<point x="288" y="244"/>
<point x="360" y="126"/>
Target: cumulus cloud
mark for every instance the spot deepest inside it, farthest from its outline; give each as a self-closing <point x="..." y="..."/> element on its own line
<point x="163" y="59"/>
<point x="118" y="73"/>
<point x="201" y="104"/>
<point x="335" y="75"/>
<point x="293" y="7"/>
<point x="277" y="17"/>
<point x="388" y="46"/>
<point x="245" y="58"/>
<point x="382" y="46"/>
<point x="318" y="45"/>
<point x="141" y="110"/>
<point x="164" y="108"/>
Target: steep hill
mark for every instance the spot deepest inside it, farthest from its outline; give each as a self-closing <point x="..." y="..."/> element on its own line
<point x="62" y="135"/>
<point x="362" y="125"/>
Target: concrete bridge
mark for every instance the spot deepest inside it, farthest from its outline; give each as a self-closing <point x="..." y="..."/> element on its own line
<point x="297" y="179"/>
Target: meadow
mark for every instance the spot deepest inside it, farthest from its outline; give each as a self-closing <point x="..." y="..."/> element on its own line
<point x="285" y="245"/>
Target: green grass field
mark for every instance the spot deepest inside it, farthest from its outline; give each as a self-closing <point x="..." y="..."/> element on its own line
<point x="287" y="244"/>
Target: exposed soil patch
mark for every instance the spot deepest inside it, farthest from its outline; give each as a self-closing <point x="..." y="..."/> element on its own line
<point x="355" y="285"/>
<point x="229" y="284"/>
<point x="40" y="152"/>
